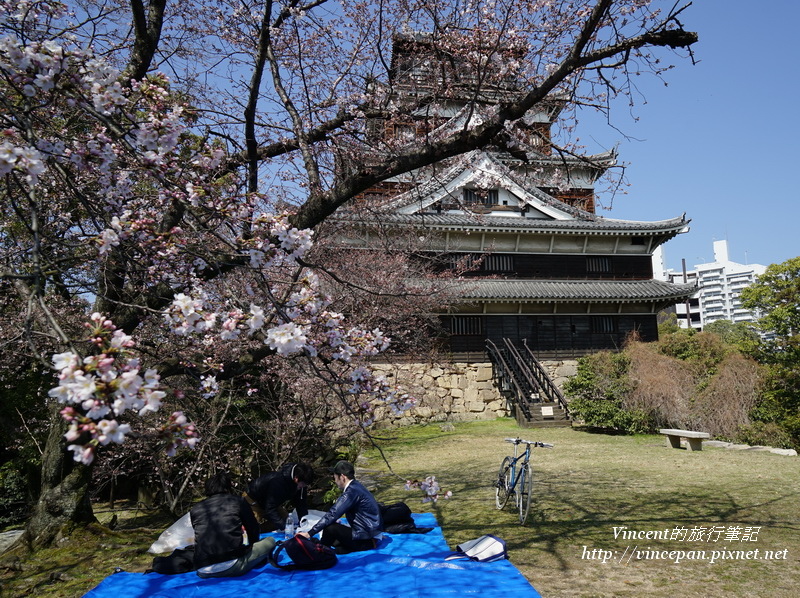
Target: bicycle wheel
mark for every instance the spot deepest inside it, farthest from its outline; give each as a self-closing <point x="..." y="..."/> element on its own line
<point x="525" y="493"/>
<point x="503" y="483"/>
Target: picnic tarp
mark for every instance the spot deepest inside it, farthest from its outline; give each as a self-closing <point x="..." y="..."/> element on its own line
<point x="404" y="565"/>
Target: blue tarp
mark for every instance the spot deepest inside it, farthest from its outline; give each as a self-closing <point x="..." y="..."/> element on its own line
<point x="404" y="565"/>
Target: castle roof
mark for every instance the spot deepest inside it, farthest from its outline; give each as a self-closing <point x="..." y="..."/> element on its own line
<point x="520" y="224"/>
<point x="591" y="291"/>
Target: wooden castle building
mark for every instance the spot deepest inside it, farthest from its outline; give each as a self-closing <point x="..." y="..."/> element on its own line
<point x="548" y="270"/>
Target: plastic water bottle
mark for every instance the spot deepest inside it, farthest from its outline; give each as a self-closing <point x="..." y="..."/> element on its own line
<point x="288" y="531"/>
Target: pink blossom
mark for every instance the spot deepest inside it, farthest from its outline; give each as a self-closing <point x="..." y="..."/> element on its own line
<point x="256" y="320"/>
<point x="65" y="361"/>
<point x="82" y="453"/>
<point x="112" y="431"/>
<point x="286" y="339"/>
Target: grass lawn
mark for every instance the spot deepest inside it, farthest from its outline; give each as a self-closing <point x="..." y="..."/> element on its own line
<point x="587" y="486"/>
<point x="590" y="484"/>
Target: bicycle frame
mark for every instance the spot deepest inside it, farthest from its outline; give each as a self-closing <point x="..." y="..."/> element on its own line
<point x="515" y="459"/>
<point x="516" y="477"/>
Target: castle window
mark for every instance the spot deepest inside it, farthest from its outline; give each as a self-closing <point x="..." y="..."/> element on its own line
<point x="598" y="265"/>
<point x="466" y="325"/>
<point x="476" y="197"/>
<point x="405" y="132"/>
<point x="602" y="324"/>
<point x="463" y="261"/>
<point x="498" y="263"/>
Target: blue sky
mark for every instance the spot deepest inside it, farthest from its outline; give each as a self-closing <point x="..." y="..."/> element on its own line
<point x="720" y="142"/>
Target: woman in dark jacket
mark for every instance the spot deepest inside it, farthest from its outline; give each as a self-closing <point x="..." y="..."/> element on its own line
<point x="225" y="529"/>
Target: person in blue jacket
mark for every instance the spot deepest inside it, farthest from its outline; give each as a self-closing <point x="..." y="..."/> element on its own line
<point x="359" y="507"/>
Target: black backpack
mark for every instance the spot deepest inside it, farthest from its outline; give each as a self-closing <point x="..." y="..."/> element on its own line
<point x="180" y="561"/>
<point x="305" y="553"/>
<point x="397" y="519"/>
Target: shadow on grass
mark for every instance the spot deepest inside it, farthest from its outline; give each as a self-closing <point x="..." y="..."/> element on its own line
<point x="562" y="517"/>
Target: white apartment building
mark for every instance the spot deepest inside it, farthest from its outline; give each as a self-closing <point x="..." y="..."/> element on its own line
<point x="720" y="285"/>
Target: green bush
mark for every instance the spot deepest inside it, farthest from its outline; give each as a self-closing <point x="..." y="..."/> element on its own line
<point x="598" y="390"/>
<point x="765" y="434"/>
<point x="609" y="414"/>
<point x="14" y="497"/>
<point x="602" y="375"/>
<point x="702" y="351"/>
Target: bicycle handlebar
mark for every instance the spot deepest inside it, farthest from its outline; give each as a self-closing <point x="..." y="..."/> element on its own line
<point x="530" y="442"/>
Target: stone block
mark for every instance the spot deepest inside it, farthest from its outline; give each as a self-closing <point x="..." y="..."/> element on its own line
<point x="471" y="395"/>
<point x="566" y="369"/>
<point x="483" y="373"/>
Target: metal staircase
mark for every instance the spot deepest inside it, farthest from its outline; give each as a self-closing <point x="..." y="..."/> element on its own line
<point x="535" y="400"/>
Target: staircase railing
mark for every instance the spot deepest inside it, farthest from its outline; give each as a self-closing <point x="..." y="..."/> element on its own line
<point x="523" y="376"/>
<point x="545" y="384"/>
<point x="510" y="380"/>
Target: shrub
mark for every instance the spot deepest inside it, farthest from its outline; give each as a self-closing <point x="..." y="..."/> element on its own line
<point x="690" y="380"/>
<point x="662" y="386"/>
<point x="723" y="407"/>
<point x="14" y="496"/>
<point x="602" y="375"/>
<point x="764" y="434"/>
<point x="598" y="390"/>
<point x="609" y="414"/>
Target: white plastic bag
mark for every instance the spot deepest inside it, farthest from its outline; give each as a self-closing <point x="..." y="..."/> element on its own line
<point x="307" y="522"/>
<point x="178" y="535"/>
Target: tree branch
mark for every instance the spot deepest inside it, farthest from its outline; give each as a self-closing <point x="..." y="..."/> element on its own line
<point x="147" y="27"/>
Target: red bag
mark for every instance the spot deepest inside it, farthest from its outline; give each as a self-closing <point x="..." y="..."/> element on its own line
<point x="305" y="553"/>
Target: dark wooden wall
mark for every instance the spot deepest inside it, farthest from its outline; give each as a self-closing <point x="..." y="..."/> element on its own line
<point x="554" y="334"/>
<point x="569" y="267"/>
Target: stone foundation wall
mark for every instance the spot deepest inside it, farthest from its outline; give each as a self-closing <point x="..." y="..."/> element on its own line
<point x="454" y="391"/>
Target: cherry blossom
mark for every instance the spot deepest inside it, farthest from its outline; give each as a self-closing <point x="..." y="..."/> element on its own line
<point x="101" y="387"/>
<point x="108" y="383"/>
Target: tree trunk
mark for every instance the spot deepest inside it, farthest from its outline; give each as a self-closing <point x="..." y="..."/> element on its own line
<point x="64" y="499"/>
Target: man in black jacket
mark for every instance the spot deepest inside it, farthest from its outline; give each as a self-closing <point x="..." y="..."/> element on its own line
<point x="225" y="529"/>
<point x="361" y="510"/>
<point x="268" y="493"/>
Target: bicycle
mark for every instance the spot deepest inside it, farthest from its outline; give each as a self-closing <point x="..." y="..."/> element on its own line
<point x="517" y="479"/>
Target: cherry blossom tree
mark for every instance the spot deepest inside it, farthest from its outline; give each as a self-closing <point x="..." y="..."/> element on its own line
<point x="165" y="169"/>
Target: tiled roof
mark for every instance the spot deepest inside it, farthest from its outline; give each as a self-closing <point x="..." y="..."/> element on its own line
<point x="593" y="291"/>
<point x="520" y="224"/>
<point x="596" y="161"/>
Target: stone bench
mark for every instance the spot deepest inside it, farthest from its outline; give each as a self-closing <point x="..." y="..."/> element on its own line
<point x="694" y="439"/>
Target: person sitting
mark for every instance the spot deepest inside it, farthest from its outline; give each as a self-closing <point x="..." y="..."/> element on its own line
<point x="225" y="529"/>
<point x="361" y="510"/>
<point x="268" y="493"/>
